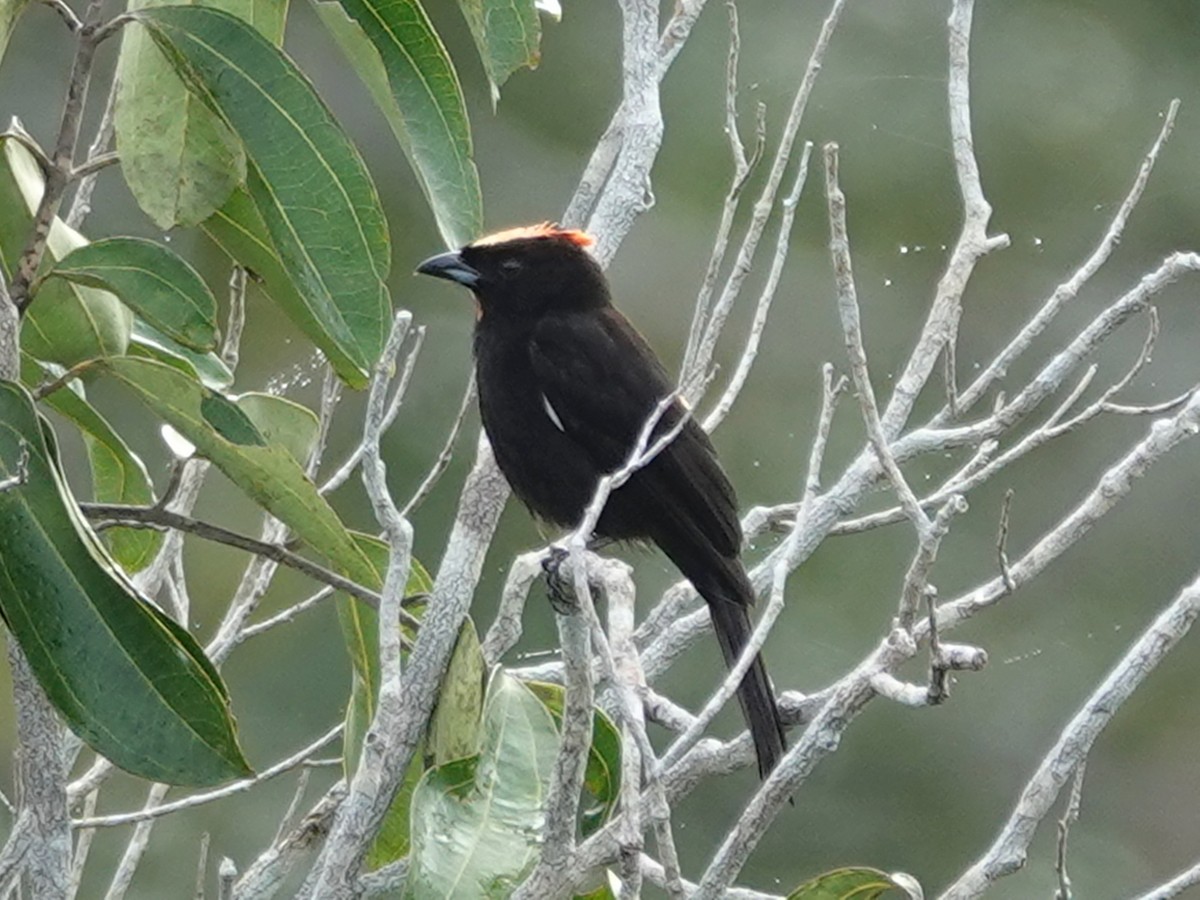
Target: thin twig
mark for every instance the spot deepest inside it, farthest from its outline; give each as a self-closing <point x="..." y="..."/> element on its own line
<point x="65" y="13"/>
<point x="742" y="169"/>
<point x="385" y="752"/>
<point x="135" y="849"/>
<point x="765" y="298"/>
<point x="941" y="325"/>
<point x="346" y="469"/>
<point x="1069" y="817"/>
<point x="109" y="514"/>
<point x="701" y="361"/>
<point x="284" y="616"/>
<point x="266" y="875"/>
<point x="202" y="865"/>
<point x="1002" y="542"/>
<point x="1189" y="877"/>
<point x="847" y="304"/>
<point x="240" y="786"/>
<point x="83" y="843"/>
<point x="1069" y="289"/>
<point x="506" y="628"/>
<point x="1007" y="852"/>
<point x="226" y="879"/>
<point x="90" y="34"/>
<point x="447" y="453"/>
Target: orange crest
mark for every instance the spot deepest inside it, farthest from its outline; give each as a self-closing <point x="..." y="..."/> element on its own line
<point x="543" y="230"/>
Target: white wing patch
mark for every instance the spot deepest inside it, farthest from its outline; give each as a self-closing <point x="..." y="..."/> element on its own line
<point x="552" y="414"/>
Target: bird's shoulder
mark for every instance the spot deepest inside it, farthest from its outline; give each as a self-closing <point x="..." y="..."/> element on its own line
<point x="603" y="381"/>
<point x="598" y="344"/>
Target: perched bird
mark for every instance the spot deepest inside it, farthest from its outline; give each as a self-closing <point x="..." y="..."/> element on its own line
<point x="566" y="385"/>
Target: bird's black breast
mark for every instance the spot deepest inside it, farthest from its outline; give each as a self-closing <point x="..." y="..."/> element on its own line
<point x="546" y="469"/>
<point x="563" y="400"/>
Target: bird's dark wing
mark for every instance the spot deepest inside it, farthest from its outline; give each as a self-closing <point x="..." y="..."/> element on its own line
<point x="601" y="382"/>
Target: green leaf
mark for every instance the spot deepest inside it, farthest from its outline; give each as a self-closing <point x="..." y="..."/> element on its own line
<point x="156" y="283"/>
<point x="854" y="883"/>
<point x="222" y="433"/>
<point x="118" y="475"/>
<point x="10" y="11"/>
<point x="209" y="369"/>
<point x="66" y="324"/>
<point x="604" y="892"/>
<point x="240" y="231"/>
<point x="392" y="839"/>
<point x="477" y="822"/>
<point x="401" y="60"/>
<point x="306" y="178"/>
<point x="179" y="160"/>
<point x="454" y="726"/>
<point x="507" y="34"/>
<point x="127" y="679"/>
<point x="453" y="734"/>
<point x="602" y="777"/>
<point x="360" y="629"/>
<point x="281" y="421"/>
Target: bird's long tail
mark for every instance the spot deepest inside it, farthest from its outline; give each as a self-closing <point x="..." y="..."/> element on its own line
<point x="731" y="623"/>
<point x="727" y="590"/>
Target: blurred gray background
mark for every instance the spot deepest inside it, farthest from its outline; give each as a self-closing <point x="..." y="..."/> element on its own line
<point x="1068" y="94"/>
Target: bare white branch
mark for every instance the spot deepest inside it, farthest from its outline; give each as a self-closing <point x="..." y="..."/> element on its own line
<point x="700" y="363"/>
<point x="1067" y="291"/>
<point x="1189" y="877"/>
<point x="44" y="848"/>
<point x="264" y="877"/>
<point x="429" y="482"/>
<point x="1008" y="851"/>
<point x="941" y="325"/>
<point x="765" y="298"/>
<point x="505" y="630"/>
<point x="385" y="755"/>
<point x="299" y="758"/>
<point x="628" y="192"/>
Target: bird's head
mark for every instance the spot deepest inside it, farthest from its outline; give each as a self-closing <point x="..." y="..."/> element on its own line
<point x="525" y="272"/>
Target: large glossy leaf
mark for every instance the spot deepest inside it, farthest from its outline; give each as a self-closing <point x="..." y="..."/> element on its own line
<point x="282" y="421"/>
<point x="454" y="726"/>
<point x="209" y="369"/>
<point x="239" y="230"/>
<point x="454" y="733"/>
<point x="392" y="46"/>
<point x="223" y="433"/>
<point x="128" y="680"/>
<point x="360" y="630"/>
<point x="306" y="178"/>
<point x="602" y="777"/>
<point x="10" y="11"/>
<point x="179" y="160"/>
<point x="507" y="34"/>
<point x="118" y="475"/>
<point x="156" y="283"/>
<point x="477" y="822"/>
<point x="66" y="323"/>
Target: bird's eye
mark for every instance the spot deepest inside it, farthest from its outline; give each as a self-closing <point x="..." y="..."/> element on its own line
<point x="510" y="265"/>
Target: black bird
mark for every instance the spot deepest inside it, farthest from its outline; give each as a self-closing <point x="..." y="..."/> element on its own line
<point x="566" y="385"/>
